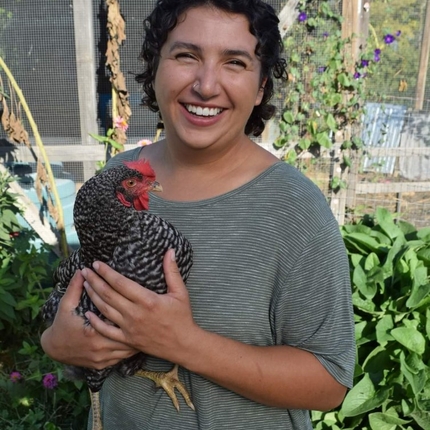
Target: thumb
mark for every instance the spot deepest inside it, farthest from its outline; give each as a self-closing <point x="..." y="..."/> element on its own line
<point x="174" y="281"/>
<point x="73" y="293"/>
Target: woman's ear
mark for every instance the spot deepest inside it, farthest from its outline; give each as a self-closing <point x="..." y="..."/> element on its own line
<point x="260" y="92"/>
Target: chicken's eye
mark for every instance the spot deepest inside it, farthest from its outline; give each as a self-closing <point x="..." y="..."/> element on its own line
<point x="131" y="183"/>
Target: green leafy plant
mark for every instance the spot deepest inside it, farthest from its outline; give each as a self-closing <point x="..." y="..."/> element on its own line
<point x="33" y="392"/>
<point x="324" y="89"/>
<point x="324" y="100"/>
<point x="390" y="265"/>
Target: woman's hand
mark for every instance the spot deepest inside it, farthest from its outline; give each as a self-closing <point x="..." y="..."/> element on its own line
<point x="157" y="324"/>
<point x="70" y="341"/>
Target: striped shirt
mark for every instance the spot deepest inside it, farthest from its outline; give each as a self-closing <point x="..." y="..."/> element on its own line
<point x="270" y="268"/>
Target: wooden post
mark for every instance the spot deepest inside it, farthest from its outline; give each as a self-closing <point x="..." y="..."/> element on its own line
<point x="424" y="62"/>
<point x="86" y="75"/>
<point x="356" y="27"/>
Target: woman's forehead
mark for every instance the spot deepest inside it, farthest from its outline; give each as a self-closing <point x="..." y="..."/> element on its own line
<point x="209" y="25"/>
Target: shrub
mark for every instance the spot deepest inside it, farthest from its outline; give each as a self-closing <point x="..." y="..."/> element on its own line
<point x="391" y="295"/>
<point x="33" y="392"/>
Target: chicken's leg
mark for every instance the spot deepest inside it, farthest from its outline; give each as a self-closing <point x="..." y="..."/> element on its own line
<point x="95" y="406"/>
<point x="168" y="381"/>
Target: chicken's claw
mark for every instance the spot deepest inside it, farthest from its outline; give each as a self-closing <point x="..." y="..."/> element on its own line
<point x="168" y="381"/>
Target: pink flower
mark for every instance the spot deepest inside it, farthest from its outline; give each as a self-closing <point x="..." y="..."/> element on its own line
<point x="50" y="381"/>
<point x="120" y="123"/>
<point x="144" y="142"/>
<point x="15" y="376"/>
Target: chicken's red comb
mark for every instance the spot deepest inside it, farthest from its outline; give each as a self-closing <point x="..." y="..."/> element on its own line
<point x="143" y="167"/>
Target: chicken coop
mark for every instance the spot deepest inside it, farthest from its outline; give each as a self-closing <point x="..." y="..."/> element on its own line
<point x="57" y="53"/>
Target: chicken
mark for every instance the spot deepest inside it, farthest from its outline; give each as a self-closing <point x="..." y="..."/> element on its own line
<point x="114" y="226"/>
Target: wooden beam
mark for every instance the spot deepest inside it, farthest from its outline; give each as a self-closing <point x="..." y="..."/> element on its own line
<point x="424" y="62"/>
<point x="287" y="16"/>
<point x="94" y="153"/>
<point x="86" y="75"/>
<point x="393" y="188"/>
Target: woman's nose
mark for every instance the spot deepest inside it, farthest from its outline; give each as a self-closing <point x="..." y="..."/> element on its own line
<point x="207" y="83"/>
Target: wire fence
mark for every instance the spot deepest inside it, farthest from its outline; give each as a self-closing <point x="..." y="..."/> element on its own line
<point x="38" y="41"/>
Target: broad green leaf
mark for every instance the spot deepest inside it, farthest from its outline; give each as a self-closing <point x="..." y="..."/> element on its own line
<point x="386" y="222"/>
<point x="381" y="421"/>
<point x="410" y="338"/>
<point x="424" y="234"/>
<point x="324" y="140"/>
<point x="383" y="329"/>
<point x="344" y="80"/>
<point x="7" y="298"/>
<point x="422" y="418"/>
<point x="304" y="144"/>
<point x="288" y="117"/>
<point x="359" y="279"/>
<point x="363" y="398"/>
<point x="364" y="332"/>
<point x="424" y="255"/>
<point x="378" y="360"/>
<point x="365" y="305"/>
<point x="418" y="293"/>
<point x="417" y="380"/>
<point x="331" y="122"/>
<point x="363" y="242"/>
<point x="372" y="261"/>
<point x="396" y="251"/>
<point x="6" y="312"/>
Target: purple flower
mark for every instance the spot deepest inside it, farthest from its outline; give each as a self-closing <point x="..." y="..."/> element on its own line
<point x="398" y="33"/>
<point x="15" y="376"/>
<point x="389" y="39"/>
<point x="377" y="55"/>
<point x="357" y="75"/>
<point x="321" y="69"/>
<point x="303" y="16"/>
<point x="50" y="381"/>
<point x="364" y="63"/>
<point x="325" y="35"/>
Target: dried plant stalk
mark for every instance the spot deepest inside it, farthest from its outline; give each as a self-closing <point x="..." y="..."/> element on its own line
<point x="16" y="132"/>
<point x="120" y="95"/>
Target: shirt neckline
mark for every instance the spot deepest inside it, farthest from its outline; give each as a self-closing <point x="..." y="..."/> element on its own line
<point x="164" y="202"/>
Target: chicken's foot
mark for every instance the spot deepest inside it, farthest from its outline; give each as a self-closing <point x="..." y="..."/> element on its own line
<point x="95" y="406"/>
<point x="168" y="381"/>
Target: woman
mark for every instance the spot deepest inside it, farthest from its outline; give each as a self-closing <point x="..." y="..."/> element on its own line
<point x="263" y="331"/>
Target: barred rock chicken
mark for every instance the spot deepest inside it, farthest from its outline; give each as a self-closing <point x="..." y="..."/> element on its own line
<point x="114" y="226"/>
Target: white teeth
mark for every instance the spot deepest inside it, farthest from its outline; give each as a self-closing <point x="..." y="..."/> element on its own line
<point x="198" y="110"/>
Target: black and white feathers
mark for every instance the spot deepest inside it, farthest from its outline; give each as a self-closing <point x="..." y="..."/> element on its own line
<point x="114" y="226"/>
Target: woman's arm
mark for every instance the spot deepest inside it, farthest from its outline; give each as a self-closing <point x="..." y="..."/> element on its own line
<point x="162" y="326"/>
<point x="70" y="341"/>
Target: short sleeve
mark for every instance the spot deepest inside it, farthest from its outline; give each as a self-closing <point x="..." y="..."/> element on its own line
<point x="312" y="307"/>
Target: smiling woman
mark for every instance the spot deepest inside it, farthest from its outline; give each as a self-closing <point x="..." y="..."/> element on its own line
<point x="263" y="330"/>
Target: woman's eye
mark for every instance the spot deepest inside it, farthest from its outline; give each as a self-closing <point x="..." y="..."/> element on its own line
<point x="237" y="63"/>
<point x="185" y="55"/>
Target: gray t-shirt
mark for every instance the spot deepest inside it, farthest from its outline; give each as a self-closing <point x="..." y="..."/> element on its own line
<point x="270" y="268"/>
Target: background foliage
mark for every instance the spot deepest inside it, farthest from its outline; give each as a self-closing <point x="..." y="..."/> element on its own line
<point x="33" y="392"/>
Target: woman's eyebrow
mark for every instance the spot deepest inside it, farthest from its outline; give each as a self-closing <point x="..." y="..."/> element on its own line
<point x="185" y="45"/>
<point x="238" y="53"/>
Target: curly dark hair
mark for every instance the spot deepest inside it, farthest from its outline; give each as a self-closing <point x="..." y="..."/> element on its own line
<point x="263" y="24"/>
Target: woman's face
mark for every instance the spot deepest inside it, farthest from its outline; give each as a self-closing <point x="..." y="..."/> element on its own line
<point x="208" y="79"/>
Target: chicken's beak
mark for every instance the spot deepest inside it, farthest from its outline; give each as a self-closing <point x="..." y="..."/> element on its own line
<point x="156" y="187"/>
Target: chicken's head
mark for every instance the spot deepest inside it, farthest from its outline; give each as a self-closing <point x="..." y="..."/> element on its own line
<point x="134" y="188"/>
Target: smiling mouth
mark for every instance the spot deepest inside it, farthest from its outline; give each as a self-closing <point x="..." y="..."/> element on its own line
<point x="200" y="111"/>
